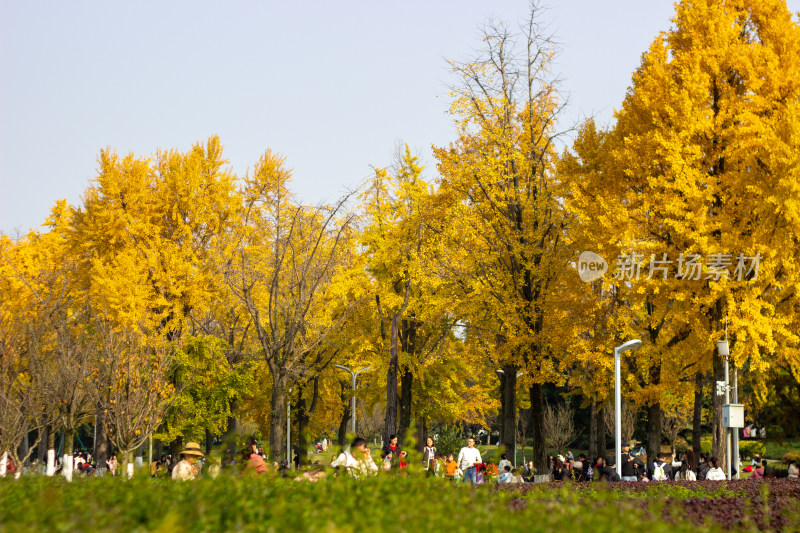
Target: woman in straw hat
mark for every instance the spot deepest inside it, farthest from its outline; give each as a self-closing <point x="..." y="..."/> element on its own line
<point x="188" y="468"/>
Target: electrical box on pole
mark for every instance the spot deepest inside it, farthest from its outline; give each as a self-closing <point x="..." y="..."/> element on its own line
<point x="733" y="415"/>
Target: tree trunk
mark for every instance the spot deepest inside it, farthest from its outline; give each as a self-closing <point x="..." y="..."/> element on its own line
<point x="23" y="448"/>
<point x="594" y="447"/>
<point x="392" y="400"/>
<point x="501" y="415"/>
<point x="509" y="420"/>
<point x="69" y="441"/>
<point x="101" y="448"/>
<point x="302" y="429"/>
<point x="653" y="431"/>
<point x="539" y="451"/>
<point x="129" y="462"/>
<point x="422" y="430"/>
<point x="390" y="421"/>
<point x="697" y="421"/>
<point x="303" y="419"/>
<point x="277" y="419"/>
<point x="230" y="433"/>
<point x="175" y="448"/>
<point x="342" y="435"/>
<point x="41" y="452"/>
<point x="404" y="420"/>
<point x="209" y="441"/>
<point x="67" y="461"/>
<point x="51" y="451"/>
<point x="602" y="450"/>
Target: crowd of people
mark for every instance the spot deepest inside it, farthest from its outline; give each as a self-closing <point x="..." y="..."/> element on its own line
<point x="469" y="467"/>
<point x="466" y="467"/>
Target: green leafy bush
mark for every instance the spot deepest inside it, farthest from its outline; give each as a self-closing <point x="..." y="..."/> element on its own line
<point x="450" y="439"/>
<point x="385" y="503"/>
<point x="748" y="448"/>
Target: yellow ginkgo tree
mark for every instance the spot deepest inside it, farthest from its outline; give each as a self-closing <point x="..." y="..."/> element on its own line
<point x="694" y="198"/>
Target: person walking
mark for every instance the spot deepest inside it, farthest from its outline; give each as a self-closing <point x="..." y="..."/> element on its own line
<point x="188" y="468"/>
<point x="630" y="465"/>
<point x="468" y="458"/>
<point x="660" y="470"/>
<point x="429" y="456"/>
<point x="451" y="467"/>
<point x="391" y="447"/>
<point x="112" y="464"/>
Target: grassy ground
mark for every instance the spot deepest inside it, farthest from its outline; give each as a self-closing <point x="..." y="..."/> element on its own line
<point x="388" y="504"/>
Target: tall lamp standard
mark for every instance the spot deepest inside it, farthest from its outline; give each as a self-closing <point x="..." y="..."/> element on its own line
<point x="501" y="372"/>
<point x="630" y="345"/>
<point x="354" y="376"/>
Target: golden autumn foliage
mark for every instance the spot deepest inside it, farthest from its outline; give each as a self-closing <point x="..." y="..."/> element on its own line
<point x="701" y="166"/>
<point x="179" y="297"/>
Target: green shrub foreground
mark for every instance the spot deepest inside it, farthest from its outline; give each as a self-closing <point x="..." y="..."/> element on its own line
<point x="382" y="504"/>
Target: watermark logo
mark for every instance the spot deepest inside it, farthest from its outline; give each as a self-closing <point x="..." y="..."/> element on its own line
<point x="693" y="267"/>
<point x="591" y="266"/>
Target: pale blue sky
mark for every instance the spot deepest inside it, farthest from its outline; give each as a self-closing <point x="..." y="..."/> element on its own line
<point x="331" y="85"/>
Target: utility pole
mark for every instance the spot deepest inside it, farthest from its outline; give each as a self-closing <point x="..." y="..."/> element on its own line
<point x="354" y="375"/>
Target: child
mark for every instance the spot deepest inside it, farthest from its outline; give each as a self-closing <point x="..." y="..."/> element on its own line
<point x="451" y="467"/>
<point x="403" y="462"/>
<point x="387" y="461"/>
<point x="505" y="477"/>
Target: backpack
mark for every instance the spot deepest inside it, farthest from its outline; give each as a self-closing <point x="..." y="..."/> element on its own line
<point x="658" y="472"/>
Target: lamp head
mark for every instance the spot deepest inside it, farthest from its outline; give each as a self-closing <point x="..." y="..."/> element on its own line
<point x="630" y="345"/>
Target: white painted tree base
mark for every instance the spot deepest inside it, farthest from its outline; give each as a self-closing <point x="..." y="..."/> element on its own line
<point x="66" y="467"/>
<point x="51" y="462"/>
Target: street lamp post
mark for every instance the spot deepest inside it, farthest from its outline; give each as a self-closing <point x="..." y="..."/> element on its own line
<point x="354" y="375"/>
<point x="289" y="431"/>
<point x="501" y="372"/>
<point x="630" y="345"/>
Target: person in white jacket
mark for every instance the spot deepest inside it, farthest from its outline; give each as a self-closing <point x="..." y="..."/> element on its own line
<point x="357" y="460"/>
<point x="468" y="457"/>
<point x="715" y="473"/>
